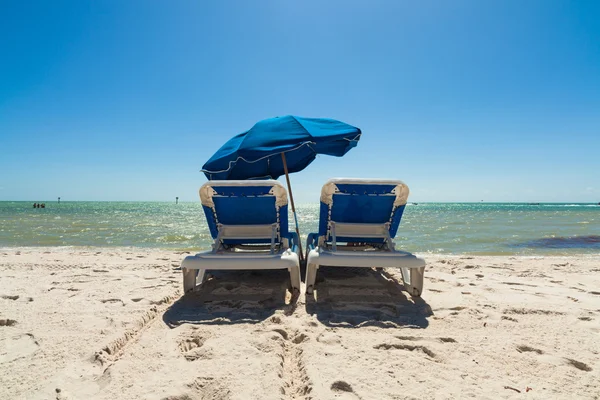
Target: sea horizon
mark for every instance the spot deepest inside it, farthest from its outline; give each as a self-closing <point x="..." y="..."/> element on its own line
<point x="298" y="204"/>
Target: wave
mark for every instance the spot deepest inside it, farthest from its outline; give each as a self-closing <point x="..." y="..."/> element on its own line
<point x="562" y="242"/>
<point x="570" y="205"/>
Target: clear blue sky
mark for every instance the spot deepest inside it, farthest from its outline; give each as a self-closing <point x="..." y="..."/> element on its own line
<point x="463" y="100"/>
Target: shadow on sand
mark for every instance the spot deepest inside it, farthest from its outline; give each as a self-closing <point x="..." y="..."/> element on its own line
<point x="234" y="297"/>
<point x="357" y="297"/>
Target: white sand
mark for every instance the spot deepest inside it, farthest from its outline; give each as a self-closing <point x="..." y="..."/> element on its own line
<point x="108" y="324"/>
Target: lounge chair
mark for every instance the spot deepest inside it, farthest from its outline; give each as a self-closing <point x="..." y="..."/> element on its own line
<point x="248" y="221"/>
<point x="357" y="222"/>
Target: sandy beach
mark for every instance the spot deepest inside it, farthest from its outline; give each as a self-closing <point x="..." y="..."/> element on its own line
<point x="101" y="323"/>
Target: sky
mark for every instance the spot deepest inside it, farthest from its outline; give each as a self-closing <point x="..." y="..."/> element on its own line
<point x="464" y="100"/>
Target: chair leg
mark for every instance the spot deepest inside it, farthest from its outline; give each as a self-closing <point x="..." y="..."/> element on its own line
<point x="189" y="279"/>
<point x="201" y="277"/>
<point x="414" y="286"/>
<point x="311" y="277"/>
<point x="295" y="277"/>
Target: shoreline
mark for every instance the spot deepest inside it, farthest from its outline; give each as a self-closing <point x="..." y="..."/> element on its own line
<point x="103" y="323"/>
<point x="200" y="249"/>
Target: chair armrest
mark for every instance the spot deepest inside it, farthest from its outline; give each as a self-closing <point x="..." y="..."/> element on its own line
<point x="311" y="241"/>
<point x="293" y="239"/>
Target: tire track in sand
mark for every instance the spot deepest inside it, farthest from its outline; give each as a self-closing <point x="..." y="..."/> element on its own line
<point x="114" y="350"/>
<point x="296" y="383"/>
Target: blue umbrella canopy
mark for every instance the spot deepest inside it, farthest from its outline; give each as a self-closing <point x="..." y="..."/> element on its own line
<point x="256" y="153"/>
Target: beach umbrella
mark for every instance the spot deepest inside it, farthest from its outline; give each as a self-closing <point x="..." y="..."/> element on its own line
<point x="281" y="145"/>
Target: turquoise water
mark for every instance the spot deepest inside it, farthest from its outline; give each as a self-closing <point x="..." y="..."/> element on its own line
<point x="446" y="228"/>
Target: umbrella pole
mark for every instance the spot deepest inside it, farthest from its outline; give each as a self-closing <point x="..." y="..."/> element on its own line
<point x="287" y="178"/>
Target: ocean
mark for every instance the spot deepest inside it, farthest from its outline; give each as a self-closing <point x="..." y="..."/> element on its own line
<point x="435" y="228"/>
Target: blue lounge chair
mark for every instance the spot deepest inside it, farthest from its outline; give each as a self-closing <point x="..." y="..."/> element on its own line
<point x="357" y="222"/>
<point x="248" y="221"/>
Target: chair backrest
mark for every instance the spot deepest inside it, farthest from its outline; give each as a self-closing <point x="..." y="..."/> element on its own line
<point x="361" y="205"/>
<point x="245" y="211"/>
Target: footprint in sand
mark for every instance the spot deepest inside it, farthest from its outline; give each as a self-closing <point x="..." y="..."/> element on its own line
<point x="7" y="322"/>
<point x="417" y="338"/>
<point x="282" y="332"/>
<point x="526" y="311"/>
<point x="411" y="338"/>
<point x="579" y="365"/>
<point x="432" y="279"/>
<point x="210" y="388"/>
<point x="113" y="301"/>
<point x="160" y="302"/>
<point x="402" y="346"/>
<point x="190" y="347"/>
<point x="300" y="338"/>
<point x="525" y="349"/>
<point x="517" y="284"/>
<point x="342" y="386"/>
<point x="204" y="387"/>
<point x="329" y="338"/>
<point x="68" y="289"/>
<point x="447" y="340"/>
<point x="18" y="346"/>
